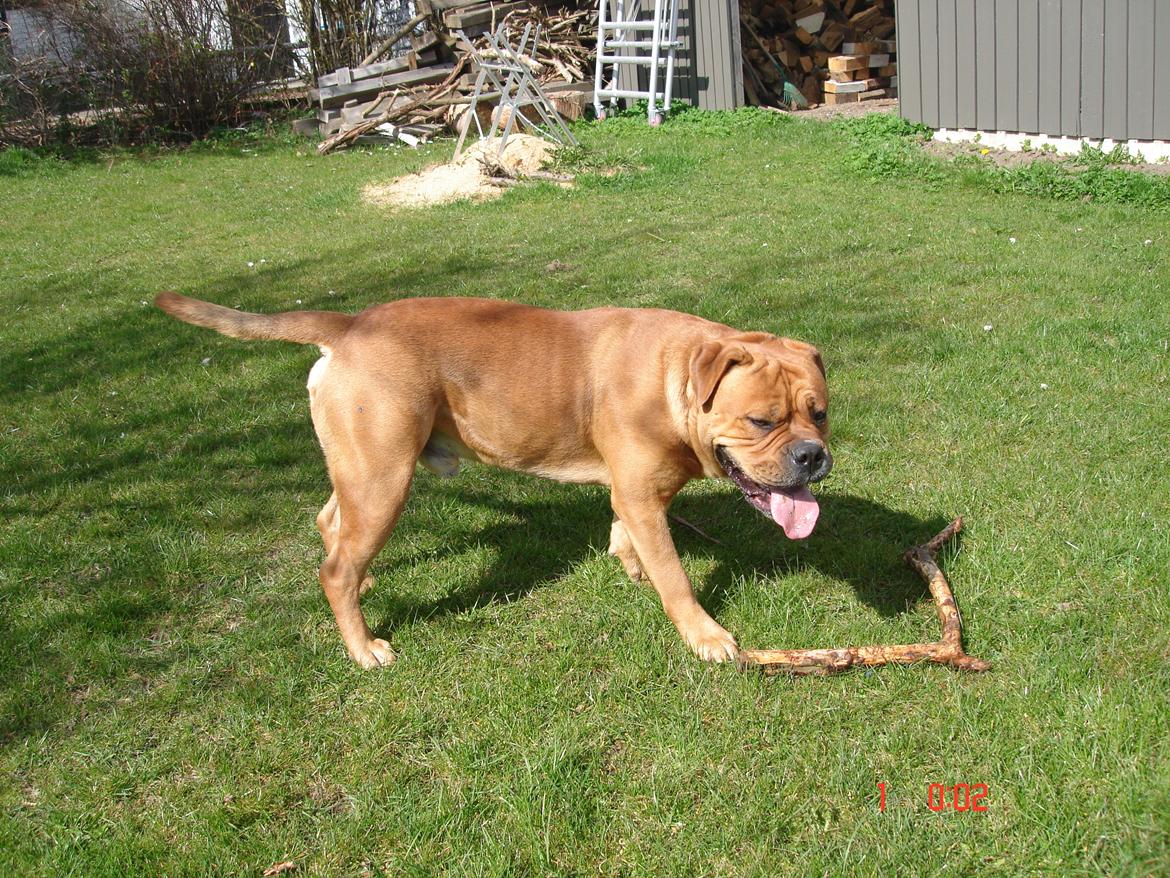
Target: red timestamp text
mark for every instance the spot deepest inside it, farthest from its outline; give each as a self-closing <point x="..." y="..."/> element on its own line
<point x="960" y="797"/>
<point x="957" y="797"/>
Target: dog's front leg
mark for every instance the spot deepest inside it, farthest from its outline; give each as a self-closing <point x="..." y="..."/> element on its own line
<point x="642" y="511"/>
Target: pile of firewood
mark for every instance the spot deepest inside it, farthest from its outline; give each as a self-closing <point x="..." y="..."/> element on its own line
<point x="567" y="35"/>
<point x="426" y="88"/>
<point x="867" y="72"/>
<point x="791" y="42"/>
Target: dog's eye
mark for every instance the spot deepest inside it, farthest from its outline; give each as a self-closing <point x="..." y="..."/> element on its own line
<point x="820" y="415"/>
<point x="761" y="423"/>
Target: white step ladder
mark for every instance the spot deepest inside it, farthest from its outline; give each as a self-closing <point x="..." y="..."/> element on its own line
<point x="622" y="36"/>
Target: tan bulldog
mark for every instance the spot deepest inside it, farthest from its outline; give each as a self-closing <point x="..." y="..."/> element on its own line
<point x="641" y="400"/>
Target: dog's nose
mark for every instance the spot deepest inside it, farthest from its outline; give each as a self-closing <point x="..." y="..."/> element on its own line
<point x="811" y="458"/>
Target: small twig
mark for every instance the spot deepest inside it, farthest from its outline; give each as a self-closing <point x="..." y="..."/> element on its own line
<point x="695" y="528"/>
<point x="947" y="651"/>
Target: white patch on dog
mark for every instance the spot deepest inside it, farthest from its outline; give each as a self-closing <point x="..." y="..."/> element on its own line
<point x="317" y="373"/>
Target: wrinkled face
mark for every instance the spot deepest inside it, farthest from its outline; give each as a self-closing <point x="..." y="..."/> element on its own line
<point x="763" y="414"/>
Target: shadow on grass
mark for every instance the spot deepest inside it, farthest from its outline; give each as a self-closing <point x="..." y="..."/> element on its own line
<point x="225" y="142"/>
<point x="858" y="541"/>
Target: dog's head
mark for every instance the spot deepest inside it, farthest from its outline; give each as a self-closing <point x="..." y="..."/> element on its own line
<point x="762" y="413"/>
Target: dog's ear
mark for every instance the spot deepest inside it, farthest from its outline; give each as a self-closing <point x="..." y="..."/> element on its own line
<point x="709" y="363"/>
<point x="816" y="355"/>
<point x="803" y="347"/>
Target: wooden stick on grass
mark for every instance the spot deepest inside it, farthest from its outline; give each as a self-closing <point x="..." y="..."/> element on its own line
<point x="947" y="651"/>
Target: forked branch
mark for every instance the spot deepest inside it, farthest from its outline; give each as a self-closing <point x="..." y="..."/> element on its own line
<point x="947" y="651"/>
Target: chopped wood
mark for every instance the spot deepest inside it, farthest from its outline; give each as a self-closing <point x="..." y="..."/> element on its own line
<point x="845" y="63"/>
<point x="869" y="47"/>
<point x="832" y="99"/>
<point x="947" y="651"/>
<point x="832" y="86"/>
<point x="804" y="37"/>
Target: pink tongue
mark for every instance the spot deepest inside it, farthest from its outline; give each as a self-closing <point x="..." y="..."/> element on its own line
<point x="796" y="511"/>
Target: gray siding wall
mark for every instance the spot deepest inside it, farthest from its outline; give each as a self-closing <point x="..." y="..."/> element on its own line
<point x="1081" y="68"/>
<point x="708" y="71"/>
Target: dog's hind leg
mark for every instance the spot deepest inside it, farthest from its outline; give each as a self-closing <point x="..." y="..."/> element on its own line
<point x="622" y="548"/>
<point x="367" y="510"/>
<point x="372" y="439"/>
<point x="328" y="522"/>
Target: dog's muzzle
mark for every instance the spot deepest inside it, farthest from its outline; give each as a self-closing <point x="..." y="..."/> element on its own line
<point x="809" y="460"/>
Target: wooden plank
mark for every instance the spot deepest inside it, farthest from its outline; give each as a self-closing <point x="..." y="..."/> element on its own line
<point x="1070" y="68"/>
<point x="483" y="14"/>
<point x="1140" y="57"/>
<point x="1007" y="72"/>
<point x="869" y="47"/>
<point x="419" y="47"/>
<point x="736" y="53"/>
<point x="336" y="95"/>
<point x="1048" y="84"/>
<point x="929" y="61"/>
<point x="832" y="86"/>
<point x="985" y="83"/>
<point x="1160" y="78"/>
<point x="718" y="38"/>
<point x="1028" y="67"/>
<point x="1115" y="85"/>
<point x="965" y="82"/>
<point x="833" y="100"/>
<point x="845" y="63"/>
<point x="909" y="66"/>
<point x="409" y="61"/>
<point x="685" y="87"/>
<point x="444" y="5"/>
<point x="1093" y="68"/>
<point x="948" y="96"/>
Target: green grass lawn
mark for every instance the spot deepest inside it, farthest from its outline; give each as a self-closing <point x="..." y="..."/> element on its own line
<point x="175" y="698"/>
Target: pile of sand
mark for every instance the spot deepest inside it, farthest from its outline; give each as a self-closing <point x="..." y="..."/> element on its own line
<point x="465" y="178"/>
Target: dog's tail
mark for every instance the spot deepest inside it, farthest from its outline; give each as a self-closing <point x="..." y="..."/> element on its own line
<point x="304" y="327"/>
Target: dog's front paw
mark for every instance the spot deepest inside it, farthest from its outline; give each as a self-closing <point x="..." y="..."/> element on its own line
<point x="374" y="654"/>
<point x="711" y="642"/>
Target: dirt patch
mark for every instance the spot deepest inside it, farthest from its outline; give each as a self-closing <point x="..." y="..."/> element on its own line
<point x="825" y="112"/>
<point x="1007" y="158"/>
<point x="462" y="179"/>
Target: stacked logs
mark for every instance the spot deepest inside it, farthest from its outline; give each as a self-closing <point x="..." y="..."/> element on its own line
<point x="792" y="41"/>
<point x="867" y="72"/>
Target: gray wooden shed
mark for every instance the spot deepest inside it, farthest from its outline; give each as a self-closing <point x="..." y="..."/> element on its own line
<point x="1077" y="68"/>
